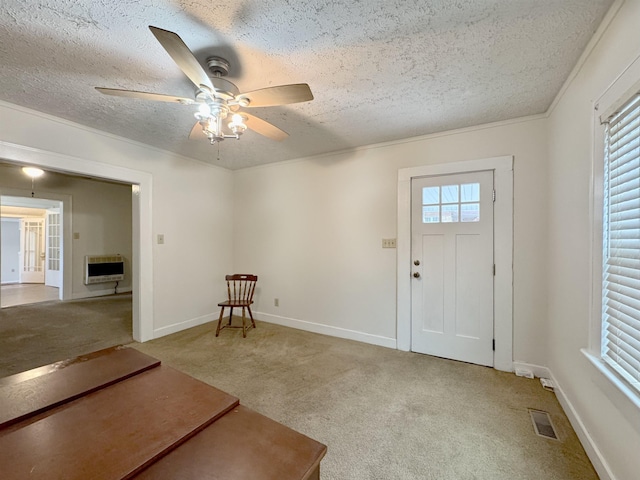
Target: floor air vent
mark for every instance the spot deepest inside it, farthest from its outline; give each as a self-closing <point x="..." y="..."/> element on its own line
<point x="542" y="424"/>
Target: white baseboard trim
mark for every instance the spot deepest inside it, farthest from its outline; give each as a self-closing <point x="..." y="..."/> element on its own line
<point x="593" y="452"/>
<point x="98" y="293"/>
<point x="538" y="371"/>
<point x="178" y="327"/>
<point x="327" y="330"/>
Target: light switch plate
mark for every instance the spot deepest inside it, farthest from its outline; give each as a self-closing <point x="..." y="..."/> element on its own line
<point x="388" y="243"/>
<point x="161" y="239"/>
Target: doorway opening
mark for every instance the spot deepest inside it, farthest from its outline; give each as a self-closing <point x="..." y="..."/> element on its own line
<point x="142" y="237"/>
<point x="31" y="247"/>
<point x="502" y="169"/>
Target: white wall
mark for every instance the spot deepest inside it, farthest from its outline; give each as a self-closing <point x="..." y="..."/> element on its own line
<point x="100" y="214"/>
<point x="312" y="230"/>
<point x="10" y="260"/>
<point x="190" y="203"/>
<point x="597" y="404"/>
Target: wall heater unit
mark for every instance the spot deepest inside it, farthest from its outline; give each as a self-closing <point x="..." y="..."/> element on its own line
<point x="103" y="268"/>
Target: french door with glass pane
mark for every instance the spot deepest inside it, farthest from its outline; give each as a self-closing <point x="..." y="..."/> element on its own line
<point x="53" y="242"/>
<point x="32" y="250"/>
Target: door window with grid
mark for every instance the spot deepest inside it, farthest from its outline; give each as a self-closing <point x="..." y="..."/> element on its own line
<point x="451" y="203"/>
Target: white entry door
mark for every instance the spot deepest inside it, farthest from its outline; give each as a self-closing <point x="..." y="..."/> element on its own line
<point x="452" y="266"/>
<point x="53" y="242"/>
<point x="32" y="250"/>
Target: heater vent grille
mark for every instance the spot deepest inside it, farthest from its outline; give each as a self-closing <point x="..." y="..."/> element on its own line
<point x="103" y="268"/>
<point x="542" y="424"/>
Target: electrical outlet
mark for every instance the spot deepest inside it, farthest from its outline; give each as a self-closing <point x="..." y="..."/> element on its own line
<point x="388" y="243"/>
<point x="276" y="302"/>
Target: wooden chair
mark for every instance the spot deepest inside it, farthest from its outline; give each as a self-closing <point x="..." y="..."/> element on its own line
<point x="240" y="288"/>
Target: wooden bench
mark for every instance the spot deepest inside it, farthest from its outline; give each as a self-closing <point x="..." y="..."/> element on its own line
<point x="119" y="414"/>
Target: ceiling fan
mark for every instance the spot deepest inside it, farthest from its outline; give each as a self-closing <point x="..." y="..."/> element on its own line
<point x="216" y="97"/>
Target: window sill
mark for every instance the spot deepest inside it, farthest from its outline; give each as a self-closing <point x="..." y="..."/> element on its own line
<point x="626" y="399"/>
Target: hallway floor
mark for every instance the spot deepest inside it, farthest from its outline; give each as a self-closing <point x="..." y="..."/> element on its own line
<point x="26" y="293"/>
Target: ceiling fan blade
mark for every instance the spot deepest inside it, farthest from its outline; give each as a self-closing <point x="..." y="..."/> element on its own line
<point x="183" y="57"/>
<point x="145" y="95"/>
<point x="279" y="95"/>
<point x="197" y="133"/>
<point x="263" y="127"/>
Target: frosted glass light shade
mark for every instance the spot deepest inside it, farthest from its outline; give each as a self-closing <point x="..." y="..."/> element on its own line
<point x="33" y="172"/>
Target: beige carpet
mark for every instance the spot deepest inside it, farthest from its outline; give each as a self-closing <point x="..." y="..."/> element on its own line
<point x="384" y="414"/>
<point x="42" y="333"/>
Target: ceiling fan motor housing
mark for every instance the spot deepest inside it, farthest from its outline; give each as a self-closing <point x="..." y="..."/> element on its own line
<point x="223" y="89"/>
<point x="218" y="66"/>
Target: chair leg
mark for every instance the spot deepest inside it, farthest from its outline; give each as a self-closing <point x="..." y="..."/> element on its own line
<point x="219" y="321"/>
<point x="244" y="329"/>
<point x="230" y="315"/>
<point x="251" y="315"/>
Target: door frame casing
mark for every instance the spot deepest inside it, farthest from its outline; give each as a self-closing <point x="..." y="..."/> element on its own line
<point x="502" y="168"/>
<point x="65" y="200"/>
<point x="142" y="235"/>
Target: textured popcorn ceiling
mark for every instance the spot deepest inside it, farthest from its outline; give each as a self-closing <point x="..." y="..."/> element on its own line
<point x="380" y="70"/>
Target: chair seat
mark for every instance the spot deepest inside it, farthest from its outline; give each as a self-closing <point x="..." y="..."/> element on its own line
<point x="235" y="303"/>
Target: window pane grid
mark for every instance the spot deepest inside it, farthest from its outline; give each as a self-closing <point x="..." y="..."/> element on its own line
<point x="54" y="242"/>
<point x="451" y="203"/>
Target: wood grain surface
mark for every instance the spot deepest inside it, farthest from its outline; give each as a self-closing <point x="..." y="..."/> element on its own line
<point x="241" y="445"/>
<point x="115" y="432"/>
<point x="34" y="391"/>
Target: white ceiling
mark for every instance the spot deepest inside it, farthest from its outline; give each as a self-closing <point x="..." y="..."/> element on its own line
<point x="8" y="202"/>
<point x="380" y="70"/>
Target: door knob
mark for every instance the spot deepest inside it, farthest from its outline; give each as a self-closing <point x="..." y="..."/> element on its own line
<point x="416" y="262"/>
<point x="416" y="275"/>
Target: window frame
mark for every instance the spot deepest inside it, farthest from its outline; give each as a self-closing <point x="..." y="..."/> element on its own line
<point x="614" y="241"/>
<point x="620" y="92"/>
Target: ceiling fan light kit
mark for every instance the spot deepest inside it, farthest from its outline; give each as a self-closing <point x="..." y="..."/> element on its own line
<point x="218" y="98"/>
<point x="216" y="104"/>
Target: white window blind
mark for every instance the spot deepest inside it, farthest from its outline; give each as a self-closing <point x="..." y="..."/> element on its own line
<point x="621" y="243"/>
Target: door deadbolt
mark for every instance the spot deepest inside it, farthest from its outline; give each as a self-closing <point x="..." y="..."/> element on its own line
<point x="416" y="275"/>
<point x="416" y="262"/>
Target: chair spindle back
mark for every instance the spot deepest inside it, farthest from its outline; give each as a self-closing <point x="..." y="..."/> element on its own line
<point x="240" y="287"/>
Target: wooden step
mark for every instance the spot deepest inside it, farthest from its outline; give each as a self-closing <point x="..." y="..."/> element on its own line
<point x="115" y="432"/>
<point x="242" y="445"/>
<point x="34" y="391"/>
